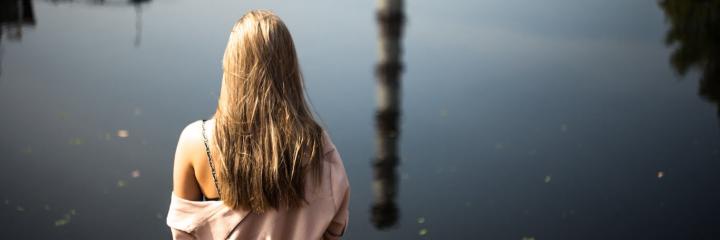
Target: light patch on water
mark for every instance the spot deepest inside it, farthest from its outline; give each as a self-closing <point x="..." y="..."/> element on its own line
<point x="122" y="133"/>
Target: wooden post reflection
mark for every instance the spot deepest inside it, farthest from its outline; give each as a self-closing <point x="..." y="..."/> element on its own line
<point x="390" y="19"/>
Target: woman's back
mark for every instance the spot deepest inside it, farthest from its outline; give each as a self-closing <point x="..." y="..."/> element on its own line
<point x="272" y="168"/>
<point x="324" y="215"/>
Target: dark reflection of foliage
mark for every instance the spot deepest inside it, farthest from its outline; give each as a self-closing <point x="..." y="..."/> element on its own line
<point x="101" y="2"/>
<point x="14" y="15"/>
<point x="118" y="3"/>
<point x="695" y="32"/>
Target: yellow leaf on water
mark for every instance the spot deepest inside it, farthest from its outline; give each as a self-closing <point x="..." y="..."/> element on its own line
<point x="76" y="141"/>
<point x="27" y="150"/>
<point x="63" y="115"/>
<point x="61" y="222"/>
<point x="66" y="218"/>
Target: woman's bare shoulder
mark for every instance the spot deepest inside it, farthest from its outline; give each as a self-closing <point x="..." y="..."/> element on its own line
<point x="190" y="143"/>
<point x="189" y="148"/>
<point x="192" y="131"/>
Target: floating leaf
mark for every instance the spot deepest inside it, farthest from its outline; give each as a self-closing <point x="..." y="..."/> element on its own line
<point x="76" y="141"/>
<point x="548" y="178"/>
<point x="66" y="218"/>
<point x="123" y="133"/>
<point x="121" y="183"/>
<point x="61" y="222"/>
<point x="63" y="115"/>
<point x="423" y="232"/>
<point x="27" y="150"/>
<point x="421" y="220"/>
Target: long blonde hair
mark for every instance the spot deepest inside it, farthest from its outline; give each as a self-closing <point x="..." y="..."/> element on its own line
<point x="265" y="133"/>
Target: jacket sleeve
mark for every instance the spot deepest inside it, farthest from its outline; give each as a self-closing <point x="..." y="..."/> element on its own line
<point x="341" y="197"/>
<point x="339" y="223"/>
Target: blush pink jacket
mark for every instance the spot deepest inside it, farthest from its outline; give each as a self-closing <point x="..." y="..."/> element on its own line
<point x="327" y="203"/>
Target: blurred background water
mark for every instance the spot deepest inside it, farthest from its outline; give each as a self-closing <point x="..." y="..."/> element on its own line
<point x="520" y="119"/>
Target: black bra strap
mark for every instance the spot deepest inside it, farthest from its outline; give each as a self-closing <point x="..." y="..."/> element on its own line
<point x="207" y="150"/>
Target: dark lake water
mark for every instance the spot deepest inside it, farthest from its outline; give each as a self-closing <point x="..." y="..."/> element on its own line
<point x="558" y="119"/>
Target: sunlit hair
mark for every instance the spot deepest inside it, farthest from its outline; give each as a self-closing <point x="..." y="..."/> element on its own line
<point x="267" y="138"/>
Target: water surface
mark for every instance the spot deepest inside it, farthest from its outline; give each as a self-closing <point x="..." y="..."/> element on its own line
<point x="521" y="119"/>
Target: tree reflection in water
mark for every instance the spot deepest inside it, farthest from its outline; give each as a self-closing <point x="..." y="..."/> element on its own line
<point x="695" y="34"/>
<point x="14" y="16"/>
<point x="390" y="19"/>
<point x="137" y="4"/>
